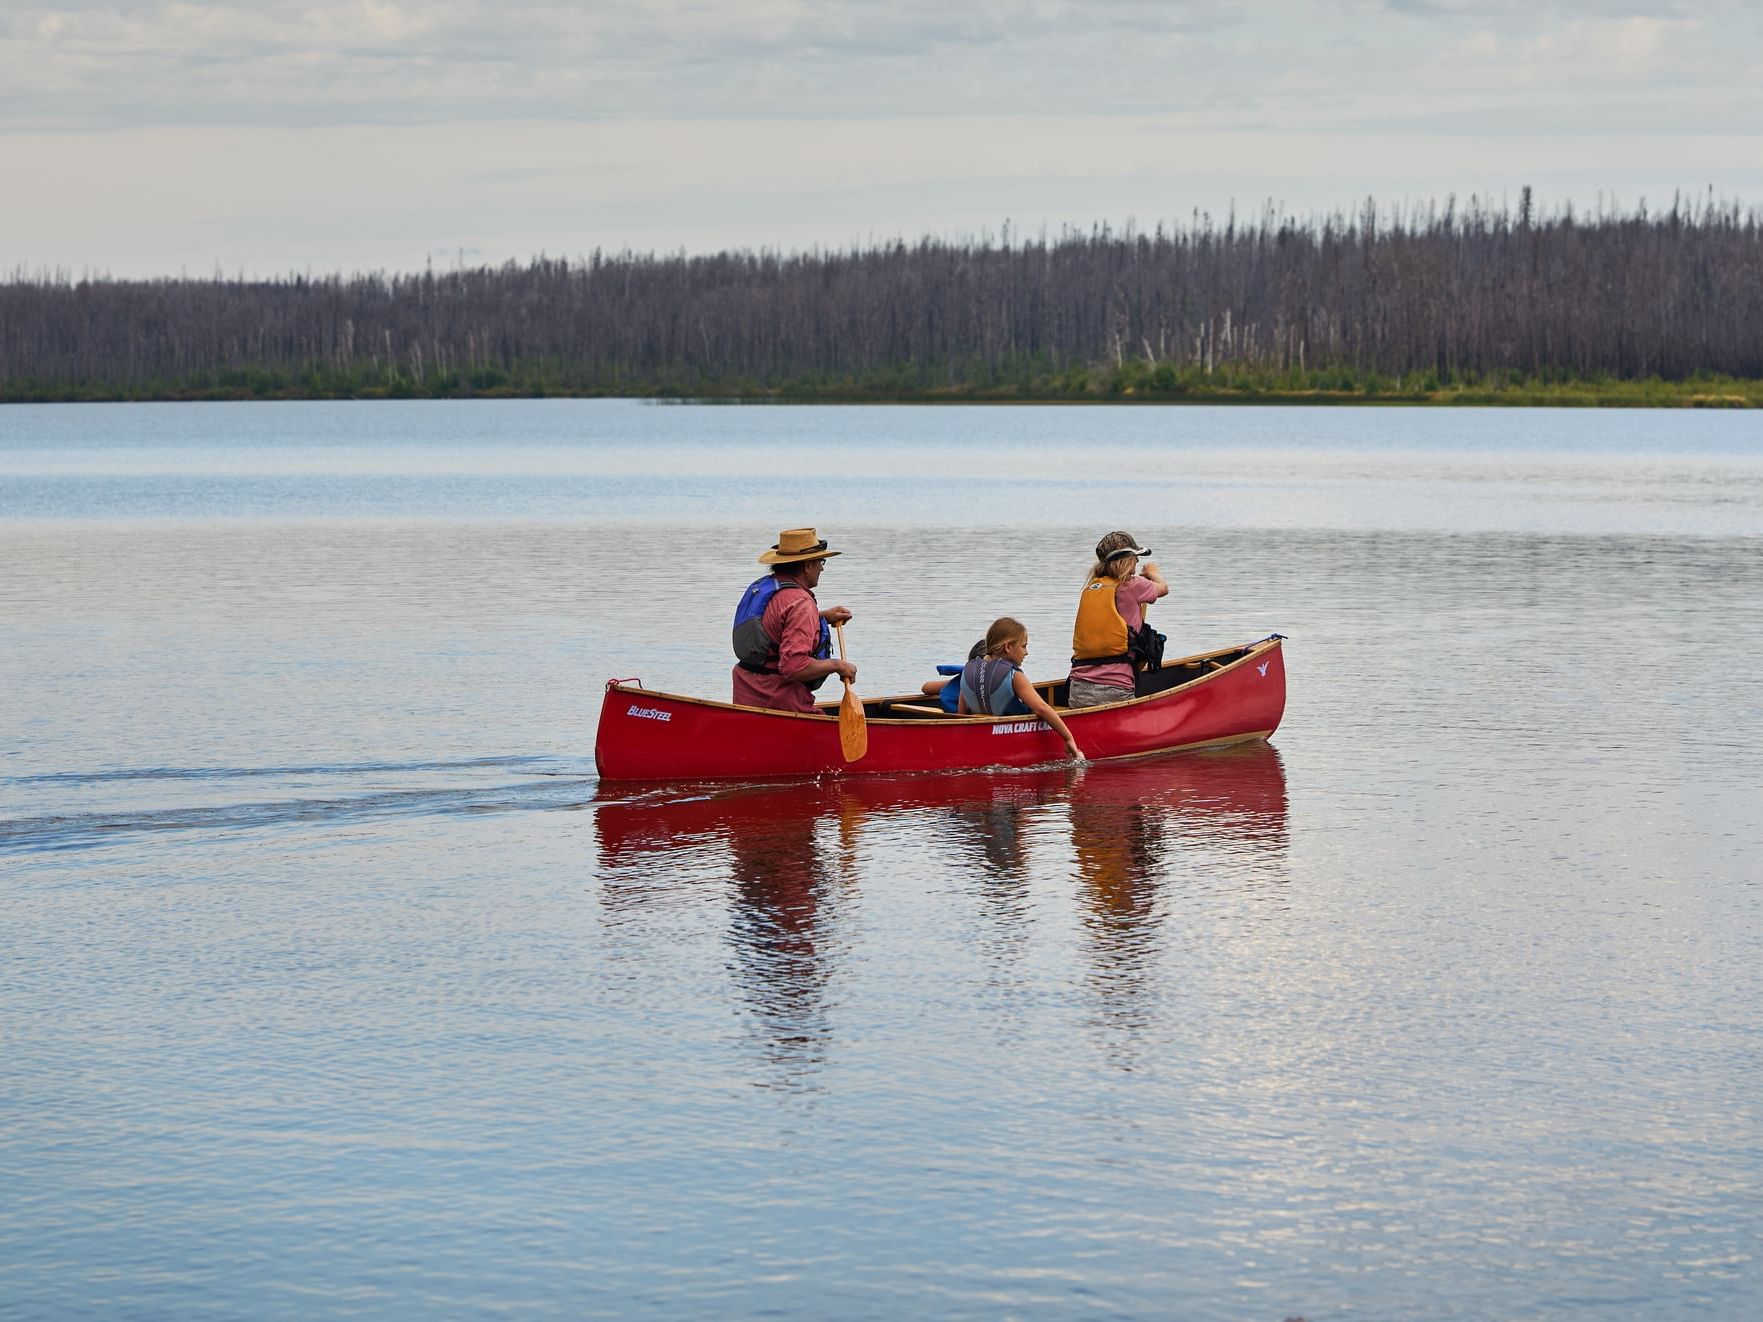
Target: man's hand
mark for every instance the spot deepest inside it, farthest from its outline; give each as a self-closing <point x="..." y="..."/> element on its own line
<point x="809" y="671"/>
<point x="835" y="615"/>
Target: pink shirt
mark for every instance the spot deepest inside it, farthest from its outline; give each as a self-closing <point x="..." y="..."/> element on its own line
<point x="1130" y="599"/>
<point x="793" y="618"/>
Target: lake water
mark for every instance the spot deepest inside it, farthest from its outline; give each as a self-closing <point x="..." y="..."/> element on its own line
<point x="334" y="984"/>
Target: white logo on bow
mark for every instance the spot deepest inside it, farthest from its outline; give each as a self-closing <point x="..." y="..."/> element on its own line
<point x="1263" y="668"/>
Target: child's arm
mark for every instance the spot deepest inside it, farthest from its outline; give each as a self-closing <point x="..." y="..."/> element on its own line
<point x="1149" y="570"/>
<point x="1024" y="690"/>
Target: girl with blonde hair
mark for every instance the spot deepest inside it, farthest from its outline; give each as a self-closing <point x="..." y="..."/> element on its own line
<point x="1110" y="611"/>
<point x="992" y="684"/>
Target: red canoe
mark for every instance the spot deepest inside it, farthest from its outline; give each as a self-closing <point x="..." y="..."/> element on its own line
<point x="1215" y="698"/>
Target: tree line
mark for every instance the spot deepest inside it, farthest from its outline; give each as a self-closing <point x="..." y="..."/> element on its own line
<point x="1436" y="293"/>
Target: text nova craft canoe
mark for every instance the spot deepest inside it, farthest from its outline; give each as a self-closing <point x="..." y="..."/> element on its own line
<point x="1230" y="696"/>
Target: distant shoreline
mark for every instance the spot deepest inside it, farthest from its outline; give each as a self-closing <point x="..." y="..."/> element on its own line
<point x="1478" y="306"/>
<point x="1720" y="393"/>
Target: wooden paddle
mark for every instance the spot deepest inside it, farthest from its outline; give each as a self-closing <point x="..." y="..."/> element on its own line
<point x="853" y="729"/>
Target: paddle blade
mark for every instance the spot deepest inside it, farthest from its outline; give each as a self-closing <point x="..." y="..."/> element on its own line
<point x="853" y="729"/>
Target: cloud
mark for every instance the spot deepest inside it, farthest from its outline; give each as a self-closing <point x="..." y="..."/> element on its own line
<point x="274" y="200"/>
<point x="67" y="64"/>
<point x="369" y="132"/>
<point x="1507" y="12"/>
<point x="312" y="62"/>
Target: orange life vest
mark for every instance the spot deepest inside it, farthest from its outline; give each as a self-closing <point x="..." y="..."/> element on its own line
<point x="1100" y="634"/>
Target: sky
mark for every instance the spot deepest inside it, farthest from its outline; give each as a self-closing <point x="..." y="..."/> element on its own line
<point x="151" y="138"/>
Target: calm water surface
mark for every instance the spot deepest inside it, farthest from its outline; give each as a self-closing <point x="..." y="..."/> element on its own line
<point x="334" y="984"/>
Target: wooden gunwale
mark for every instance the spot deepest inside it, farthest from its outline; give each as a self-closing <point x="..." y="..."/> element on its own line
<point x="1249" y="652"/>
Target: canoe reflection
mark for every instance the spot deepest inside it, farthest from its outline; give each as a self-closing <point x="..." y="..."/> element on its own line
<point x="786" y="855"/>
<point x="1223" y="795"/>
<point x="1130" y="830"/>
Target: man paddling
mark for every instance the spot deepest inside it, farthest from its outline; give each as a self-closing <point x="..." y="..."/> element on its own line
<point x="782" y="638"/>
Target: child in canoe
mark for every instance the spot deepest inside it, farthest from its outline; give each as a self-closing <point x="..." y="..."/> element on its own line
<point x="946" y="688"/>
<point x="992" y="684"/>
<point x="1110" y="639"/>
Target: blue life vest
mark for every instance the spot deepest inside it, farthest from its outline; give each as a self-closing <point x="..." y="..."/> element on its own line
<point x="988" y="683"/>
<point x="755" y="649"/>
<point x="950" y="696"/>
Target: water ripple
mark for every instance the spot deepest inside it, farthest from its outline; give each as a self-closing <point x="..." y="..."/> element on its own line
<point x="242" y="773"/>
<point x="51" y="833"/>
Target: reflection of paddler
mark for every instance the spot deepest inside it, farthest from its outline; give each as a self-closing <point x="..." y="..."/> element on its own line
<point x="1130" y="824"/>
<point x="993" y="814"/>
<point x="1118" y="847"/>
<point x="777" y="886"/>
<point x="780" y="885"/>
<point x="1235" y="794"/>
<point x="999" y="831"/>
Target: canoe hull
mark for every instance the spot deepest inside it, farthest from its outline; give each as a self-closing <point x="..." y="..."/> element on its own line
<point x="648" y="735"/>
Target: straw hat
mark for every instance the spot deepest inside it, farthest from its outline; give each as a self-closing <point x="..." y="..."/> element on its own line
<point x="794" y="545"/>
